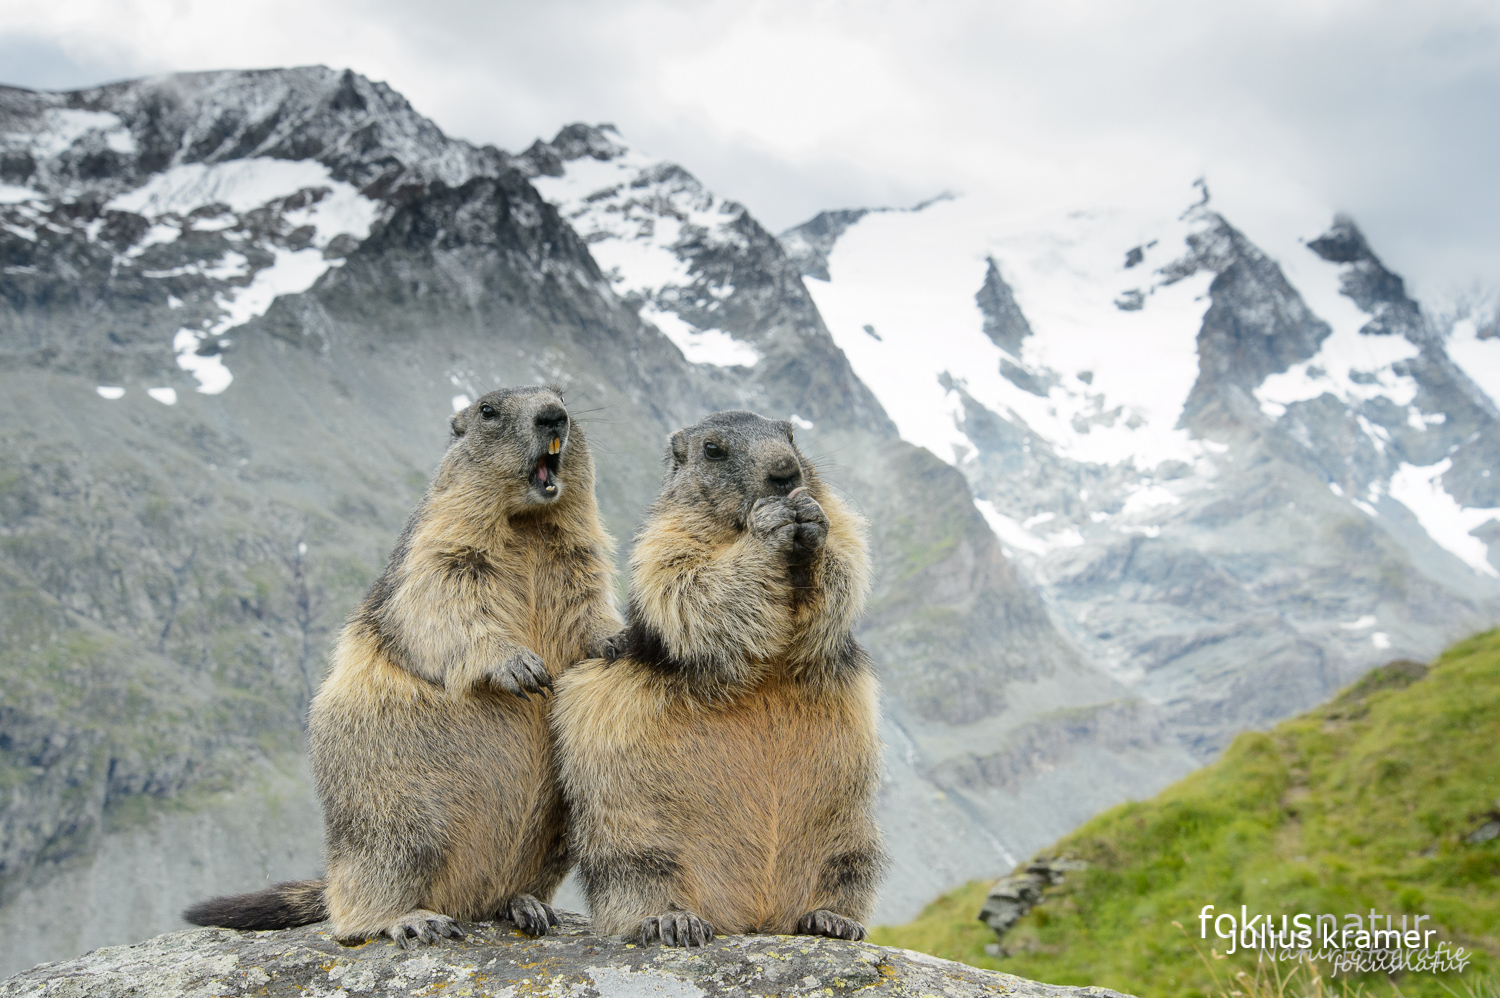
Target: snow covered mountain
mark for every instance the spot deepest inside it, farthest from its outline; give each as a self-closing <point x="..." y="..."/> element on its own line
<point x="978" y="678"/>
<point x="1239" y="476"/>
<point x="1129" y="493"/>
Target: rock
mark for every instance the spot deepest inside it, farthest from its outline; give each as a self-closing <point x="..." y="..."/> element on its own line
<point x="1013" y="896"/>
<point x="1487" y="830"/>
<point x="495" y="959"/>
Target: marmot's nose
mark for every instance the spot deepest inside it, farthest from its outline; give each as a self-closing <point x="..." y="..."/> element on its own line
<point x="552" y="417"/>
<point x="784" y="474"/>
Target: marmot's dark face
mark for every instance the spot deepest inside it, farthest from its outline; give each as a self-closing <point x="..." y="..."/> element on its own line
<point x="524" y="436"/>
<point x="728" y="460"/>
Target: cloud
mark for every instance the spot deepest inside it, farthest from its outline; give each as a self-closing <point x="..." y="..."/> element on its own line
<point x="1381" y="109"/>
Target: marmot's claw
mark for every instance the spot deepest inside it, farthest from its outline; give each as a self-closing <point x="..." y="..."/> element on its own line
<point x="676" y="928"/>
<point x="531" y="916"/>
<point x="422" y="926"/>
<point x="823" y="922"/>
<point x="522" y="673"/>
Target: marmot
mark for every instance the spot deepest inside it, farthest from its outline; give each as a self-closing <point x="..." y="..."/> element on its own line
<point x="721" y="772"/>
<point x="434" y="768"/>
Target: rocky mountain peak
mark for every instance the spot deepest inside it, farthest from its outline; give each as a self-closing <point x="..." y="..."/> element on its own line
<point x="1003" y="321"/>
<point x="1129" y="385"/>
<point x="1367" y="282"/>
<point x="702" y="270"/>
<point x="808" y="244"/>
<point x="574" y="141"/>
<point x="108" y="139"/>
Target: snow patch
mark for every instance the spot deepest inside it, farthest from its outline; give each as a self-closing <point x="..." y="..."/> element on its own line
<point x="292" y="272"/>
<point x="701" y="346"/>
<point x="1479" y="359"/>
<point x="1016" y="535"/>
<point x="640" y="217"/>
<point x="1148" y="498"/>
<point x="110" y="391"/>
<point x="1367" y="620"/>
<point x="1446" y="522"/>
<point x="242" y="184"/>
<point x="213" y="377"/>
<point x="800" y="423"/>
<point x="1380" y="640"/>
<point x="160" y="232"/>
<point x="1282" y="229"/>
<point x="11" y="194"/>
<point x="166" y="396"/>
<point x="1346" y="352"/>
<point x="460" y="402"/>
<point x="64" y="126"/>
<point x="914" y="276"/>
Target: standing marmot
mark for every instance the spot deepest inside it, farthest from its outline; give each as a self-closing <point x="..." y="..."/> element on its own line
<point x="721" y="773"/>
<point x="434" y="768"/>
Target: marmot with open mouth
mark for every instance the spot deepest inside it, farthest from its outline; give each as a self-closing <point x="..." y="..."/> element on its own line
<point x="429" y="738"/>
<point x="721" y="773"/>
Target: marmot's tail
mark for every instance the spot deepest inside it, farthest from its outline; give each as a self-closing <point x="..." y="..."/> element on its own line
<point x="280" y="906"/>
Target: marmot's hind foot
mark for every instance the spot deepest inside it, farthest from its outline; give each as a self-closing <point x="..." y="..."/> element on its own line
<point x="531" y="916"/>
<point x="422" y="926"/>
<point x="676" y="928"/>
<point x="826" y="923"/>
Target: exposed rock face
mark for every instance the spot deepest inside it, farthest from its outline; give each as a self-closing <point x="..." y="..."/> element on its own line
<point x="808" y="244"/>
<point x="1237" y="475"/>
<point x="497" y="960"/>
<point x="1013" y="896"/>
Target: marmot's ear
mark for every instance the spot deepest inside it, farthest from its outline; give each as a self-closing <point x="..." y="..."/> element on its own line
<point x="679" y="447"/>
<point x="458" y="425"/>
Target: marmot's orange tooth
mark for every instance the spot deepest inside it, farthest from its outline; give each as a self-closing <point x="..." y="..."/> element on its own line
<point x="555" y="446"/>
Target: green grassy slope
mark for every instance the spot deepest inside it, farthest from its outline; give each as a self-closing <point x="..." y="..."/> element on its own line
<point x="1365" y="802"/>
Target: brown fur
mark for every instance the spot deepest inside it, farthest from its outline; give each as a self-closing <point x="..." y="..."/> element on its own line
<point x="434" y="767"/>
<point x="724" y="768"/>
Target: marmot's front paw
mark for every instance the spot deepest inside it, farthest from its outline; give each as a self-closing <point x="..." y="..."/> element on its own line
<point x="531" y="916"/>
<point x="812" y="522"/>
<point x="422" y="926"/>
<point x="823" y="922"/>
<point x="608" y="648"/>
<point x="676" y="928"/>
<point x="523" y="672"/>
<point x="774" y="521"/>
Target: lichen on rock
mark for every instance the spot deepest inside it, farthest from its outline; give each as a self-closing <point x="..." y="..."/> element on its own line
<point x="497" y="960"/>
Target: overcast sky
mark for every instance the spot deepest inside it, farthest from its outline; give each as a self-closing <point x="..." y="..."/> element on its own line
<point x="1388" y="111"/>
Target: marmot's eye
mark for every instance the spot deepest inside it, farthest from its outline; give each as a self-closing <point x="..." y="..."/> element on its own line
<point x="714" y="452"/>
<point x="487" y="411"/>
